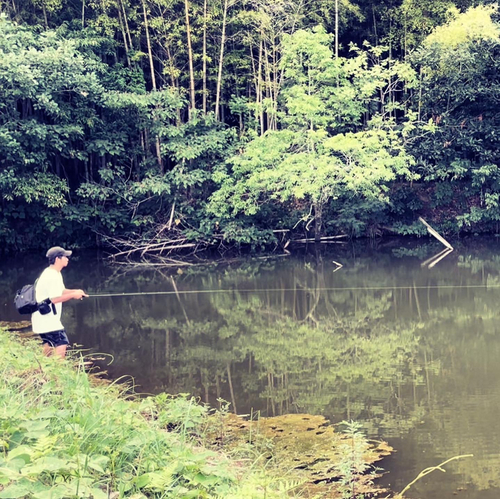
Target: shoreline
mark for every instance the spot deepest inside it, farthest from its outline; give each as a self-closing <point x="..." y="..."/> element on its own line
<point x="101" y="440"/>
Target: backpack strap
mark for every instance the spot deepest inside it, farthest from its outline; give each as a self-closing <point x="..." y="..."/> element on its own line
<point x="51" y="304"/>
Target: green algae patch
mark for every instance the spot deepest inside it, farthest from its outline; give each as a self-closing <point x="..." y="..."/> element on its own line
<point x="308" y="449"/>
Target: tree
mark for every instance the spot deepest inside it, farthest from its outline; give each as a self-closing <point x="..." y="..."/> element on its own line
<point x="315" y="158"/>
<point x="49" y="92"/>
<point x="64" y="122"/>
<point x="459" y="93"/>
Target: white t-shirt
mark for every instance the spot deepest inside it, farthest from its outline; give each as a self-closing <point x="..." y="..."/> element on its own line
<point x="49" y="285"/>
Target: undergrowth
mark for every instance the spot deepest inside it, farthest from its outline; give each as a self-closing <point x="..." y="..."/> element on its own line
<point x="62" y="436"/>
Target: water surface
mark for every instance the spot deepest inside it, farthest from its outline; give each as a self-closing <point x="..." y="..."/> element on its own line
<point x="412" y="352"/>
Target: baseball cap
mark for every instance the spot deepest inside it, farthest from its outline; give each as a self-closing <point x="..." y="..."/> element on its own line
<point x="56" y="251"/>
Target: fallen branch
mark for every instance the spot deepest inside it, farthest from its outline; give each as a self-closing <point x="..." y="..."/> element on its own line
<point x="433" y="260"/>
<point x="430" y="470"/>
<point x="436" y="234"/>
<point x="136" y="247"/>
<point x="154" y="264"/>
<point x="339" y="265"/>
<point x="171" y="219"/>
<point x="321" y="240"/>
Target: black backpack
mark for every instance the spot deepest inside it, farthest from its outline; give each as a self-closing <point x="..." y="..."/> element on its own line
<point x="25" y="300"/>
<point x="26" y="304"/>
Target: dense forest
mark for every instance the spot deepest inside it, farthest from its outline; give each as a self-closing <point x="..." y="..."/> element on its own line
<point x="191" y="123"/>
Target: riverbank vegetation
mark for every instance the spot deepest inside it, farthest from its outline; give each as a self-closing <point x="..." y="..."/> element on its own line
<point x="64" y="436"/>
<point x="188" y="124"/>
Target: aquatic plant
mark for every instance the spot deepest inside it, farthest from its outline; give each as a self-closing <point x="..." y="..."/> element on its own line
<point x="308" y="453"/>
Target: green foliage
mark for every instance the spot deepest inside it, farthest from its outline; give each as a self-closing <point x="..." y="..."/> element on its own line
<point x="459" y="157"/>
<point x="472" y="26"/>
<point x="352" y="467"/>
<point x="307" y="162"/>
<point x="62" y="436"/>
<point x="44" y="83"/>
<point x="99" y="90"/>
<point x="419" y="19"/>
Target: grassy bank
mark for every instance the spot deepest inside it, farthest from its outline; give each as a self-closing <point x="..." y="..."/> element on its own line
<point x="62" y="435"/>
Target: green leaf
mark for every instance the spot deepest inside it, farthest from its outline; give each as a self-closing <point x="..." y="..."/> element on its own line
<point x="142" y="480"/>
<point x="98" y="463"/>
<point x="23" y="488"/>
<point x="14" y="491"/>
<point x="48" y="464"/>
<point x="59" y="491"/>
<point x="206" y="480"/>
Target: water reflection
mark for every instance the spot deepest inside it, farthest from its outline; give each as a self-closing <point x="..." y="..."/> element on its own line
<point x="411" y="351"/>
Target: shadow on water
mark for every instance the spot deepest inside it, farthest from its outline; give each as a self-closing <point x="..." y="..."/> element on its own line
<point x="410" y="350"/>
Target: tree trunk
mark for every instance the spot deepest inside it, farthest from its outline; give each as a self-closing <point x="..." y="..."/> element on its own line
<point x="318" y="220"/>
<point x="148" y="42"/>
<point x="255" y="79"/>
<point x="192" y="105"/>
<point x="205" y="56"/>
<point x="153" y="81"/>
<point x="336" y="29"/>
<point x="221" y="60"/>
<point x="124" y="35"/>
<point x="166" y="48"/>
<point x="268" y="84"/>
<point x="275" y="87"/>
<point x="171" y="65"/>
<point x="158" y="154"/>
<point x="45" y="16"/>
<point x="125" y="22"/>
<point x="375" y="30"/>
<point x="259" y="86"/>
<point x="143" y="143"/>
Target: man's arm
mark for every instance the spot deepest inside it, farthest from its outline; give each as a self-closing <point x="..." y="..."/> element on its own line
<point x="69" y="294"/>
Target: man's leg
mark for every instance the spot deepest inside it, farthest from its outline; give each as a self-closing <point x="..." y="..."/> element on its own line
<point x="56" y="343"/>
<point x="61" y="351"/>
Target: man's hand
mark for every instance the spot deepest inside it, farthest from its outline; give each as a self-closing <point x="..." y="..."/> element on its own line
<point x="79" y="294"/>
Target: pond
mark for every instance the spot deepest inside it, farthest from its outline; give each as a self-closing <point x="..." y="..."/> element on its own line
<point x="410" y="351"/>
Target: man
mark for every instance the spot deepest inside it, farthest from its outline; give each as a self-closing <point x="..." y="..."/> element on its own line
<point x="50" y="286"/>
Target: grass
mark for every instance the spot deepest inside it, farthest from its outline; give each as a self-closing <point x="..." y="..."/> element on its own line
<point x="63" y="436"/>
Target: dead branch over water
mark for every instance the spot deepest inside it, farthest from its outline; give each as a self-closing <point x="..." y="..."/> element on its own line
<point x="131" y="254"/>
<point x="158" y="249"/>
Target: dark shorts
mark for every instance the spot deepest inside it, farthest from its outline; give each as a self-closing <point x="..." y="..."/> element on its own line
<point x="55" y="338"/>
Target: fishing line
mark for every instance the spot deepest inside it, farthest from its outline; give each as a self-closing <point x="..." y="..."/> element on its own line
<point x="304" y="290"/>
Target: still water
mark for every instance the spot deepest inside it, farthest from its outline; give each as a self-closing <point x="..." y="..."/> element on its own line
<point x="410" y="351"/>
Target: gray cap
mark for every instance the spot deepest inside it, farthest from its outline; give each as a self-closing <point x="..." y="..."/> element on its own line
<point x="56" y="251"/>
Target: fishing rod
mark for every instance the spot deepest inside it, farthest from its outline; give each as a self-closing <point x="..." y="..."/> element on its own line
<point x="306" y="290"/>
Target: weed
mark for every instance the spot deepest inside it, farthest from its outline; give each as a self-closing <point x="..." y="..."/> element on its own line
<point x="61" y="436"/>
<point x="353" y="469"/>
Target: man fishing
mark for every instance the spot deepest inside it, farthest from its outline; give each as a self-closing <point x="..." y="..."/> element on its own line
<point x="50" y="290"/>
